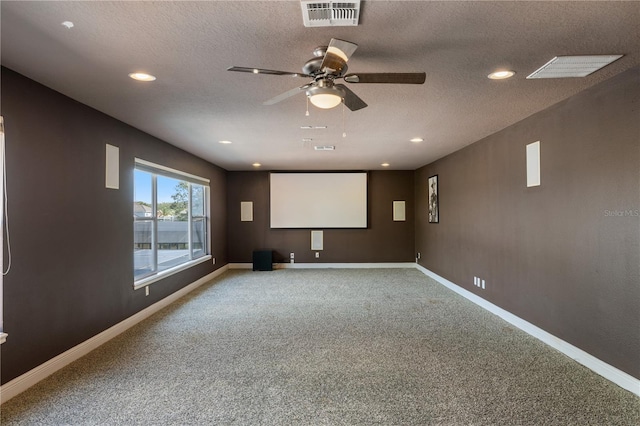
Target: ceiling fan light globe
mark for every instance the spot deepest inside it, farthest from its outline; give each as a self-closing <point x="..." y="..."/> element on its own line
<point x="325" y="100"/>
<point x="325" y="96"/>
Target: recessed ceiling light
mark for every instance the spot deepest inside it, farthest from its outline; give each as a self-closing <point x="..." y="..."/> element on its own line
<point x="501" y="75"/>
<point x="312" y="127"/>
<point x="256" y="164"/>
<point x="306" y="139"/>
<point x="416" y="140"/>
<point x="140" y="76"/>
<point x="67" y="24"/>
<point x="385" y="164"/>
<point x="225" y="142"/>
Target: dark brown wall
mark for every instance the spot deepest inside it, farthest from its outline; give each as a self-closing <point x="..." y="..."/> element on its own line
<point x="71" y="239"/>
<point x="384" y="240"/>
<point x="556" y="255"/>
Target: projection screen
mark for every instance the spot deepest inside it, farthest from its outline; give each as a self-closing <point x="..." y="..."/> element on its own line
<point x="318" y="200"/>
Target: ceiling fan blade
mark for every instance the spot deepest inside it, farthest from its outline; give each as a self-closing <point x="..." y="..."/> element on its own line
<point x="287" y="94"/>
<point x="387" y="77"/>
<point x="338" y="53"/>
<point x="266" y="71"/>
<point x="351" y="100"/>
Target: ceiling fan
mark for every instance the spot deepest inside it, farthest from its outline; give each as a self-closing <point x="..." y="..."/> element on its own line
<point x="330" y="64"/>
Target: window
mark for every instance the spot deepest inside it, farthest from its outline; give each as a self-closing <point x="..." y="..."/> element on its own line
<point x="170" y="221"/>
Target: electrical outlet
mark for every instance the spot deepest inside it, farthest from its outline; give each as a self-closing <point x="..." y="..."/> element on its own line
<point x="146" y="291"/>
<point x="479" y="282"/>
<point x="214" y="260"/>
<point x="291" y="255"/>
<point x="418" y="255"/>
<point x="317" y="255"/>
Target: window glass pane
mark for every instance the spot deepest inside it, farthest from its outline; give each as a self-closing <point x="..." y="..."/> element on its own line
<point x="173" y="243"/>
<point x="173" y="217"/>
<point x="197" y="200"/>
<point x="143" y="261"/>
<point x="198" y="237"/>
<point x="142" y="197"/>
<point x="173" y="198"/>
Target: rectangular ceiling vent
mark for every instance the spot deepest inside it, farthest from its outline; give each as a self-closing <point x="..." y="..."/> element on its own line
<point x="330" y="13"/>
<point x="324" y="147"/>
<point x="573" y="66"/>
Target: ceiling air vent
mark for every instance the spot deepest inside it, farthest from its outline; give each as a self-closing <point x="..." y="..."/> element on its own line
<point x="573" y="66"/>
<point x="330" y="13"/>
<point x="324" y="147"/>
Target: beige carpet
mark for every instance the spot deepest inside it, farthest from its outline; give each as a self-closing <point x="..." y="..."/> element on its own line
<point x="324" y="347"/>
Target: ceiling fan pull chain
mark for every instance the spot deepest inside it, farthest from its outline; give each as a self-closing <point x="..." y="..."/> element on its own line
<point x="344" y="131"/>
<point x="307" y="113"/>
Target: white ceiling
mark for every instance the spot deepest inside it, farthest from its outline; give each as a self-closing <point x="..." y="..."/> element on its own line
<point x="195" y="102"/>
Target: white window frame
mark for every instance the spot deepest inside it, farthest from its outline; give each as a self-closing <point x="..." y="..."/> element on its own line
<point x="159" y="170"/>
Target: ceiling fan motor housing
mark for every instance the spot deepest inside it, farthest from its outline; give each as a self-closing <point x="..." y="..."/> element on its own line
<point x="312" y="66"/>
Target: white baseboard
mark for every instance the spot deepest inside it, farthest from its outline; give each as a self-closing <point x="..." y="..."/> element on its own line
<point x="607" y="371"/>
<point x="387" y="265"/>
<point x="31" y="377"/>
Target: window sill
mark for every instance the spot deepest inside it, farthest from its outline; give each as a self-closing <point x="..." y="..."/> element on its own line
<point x="3" y="337"/>
<point x="164" y="274"/>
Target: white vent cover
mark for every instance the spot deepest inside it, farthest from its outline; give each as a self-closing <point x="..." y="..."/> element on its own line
<point x="324" y="147"/>
<point x="330" y="13"/>
<point x="573" y="66"/>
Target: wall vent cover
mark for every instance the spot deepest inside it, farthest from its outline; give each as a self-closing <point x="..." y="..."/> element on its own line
<point x="573" y="66"/>
<point x="330" y="13"/>
<point x="324" y="147"/>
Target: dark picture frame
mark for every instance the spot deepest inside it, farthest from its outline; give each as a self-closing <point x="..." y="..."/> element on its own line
<point x="434" y="211"/>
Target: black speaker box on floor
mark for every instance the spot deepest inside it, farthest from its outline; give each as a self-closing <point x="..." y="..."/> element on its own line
<point x="263" y="260"/>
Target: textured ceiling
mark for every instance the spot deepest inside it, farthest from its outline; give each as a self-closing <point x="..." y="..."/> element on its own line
<point x="195" y="102"/>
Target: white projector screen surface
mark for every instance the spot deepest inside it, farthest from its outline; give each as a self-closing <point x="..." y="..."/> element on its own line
<point x="318" y="200"/>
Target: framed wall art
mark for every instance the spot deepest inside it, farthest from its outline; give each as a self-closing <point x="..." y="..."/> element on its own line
<point x="434" y="216"/>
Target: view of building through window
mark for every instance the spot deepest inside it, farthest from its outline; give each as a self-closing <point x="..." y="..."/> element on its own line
<point x="170" y="222"/>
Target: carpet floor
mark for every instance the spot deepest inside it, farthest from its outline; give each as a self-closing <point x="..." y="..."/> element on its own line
<point x="324" y="347"/>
